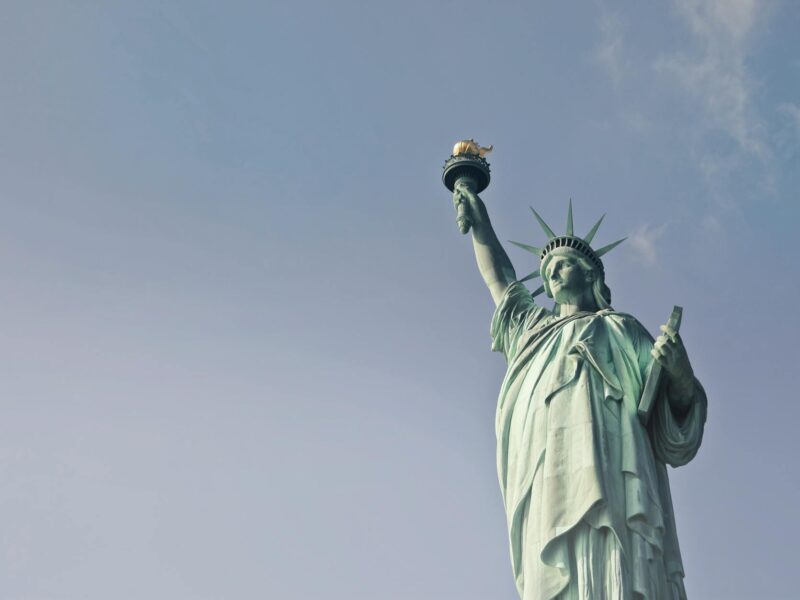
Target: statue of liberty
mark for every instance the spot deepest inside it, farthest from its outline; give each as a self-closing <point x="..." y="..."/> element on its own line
<point x="583" y="479"/>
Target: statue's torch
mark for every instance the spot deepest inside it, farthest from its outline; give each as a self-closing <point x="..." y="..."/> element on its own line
<point x="466" y="166"/>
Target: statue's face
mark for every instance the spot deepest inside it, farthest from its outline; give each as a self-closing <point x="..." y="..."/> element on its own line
<point x="566" y="278"/>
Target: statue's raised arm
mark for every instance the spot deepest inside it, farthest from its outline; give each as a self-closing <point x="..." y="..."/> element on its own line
<point x="466" y="174"/>
<point x="493" y="262"/>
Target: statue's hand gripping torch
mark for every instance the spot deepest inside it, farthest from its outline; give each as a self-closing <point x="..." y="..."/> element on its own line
<point x="467" y="167"/>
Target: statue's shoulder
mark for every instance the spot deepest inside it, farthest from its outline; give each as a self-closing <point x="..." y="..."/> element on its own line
<point x="627" y="322"/>
<point x="539" y="317"/>
<point x="610" y="313"/>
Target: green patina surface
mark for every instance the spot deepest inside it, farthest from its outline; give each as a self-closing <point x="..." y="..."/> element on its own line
<point x="583" y="480"/>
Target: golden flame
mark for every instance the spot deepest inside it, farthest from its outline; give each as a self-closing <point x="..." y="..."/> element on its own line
<point x="470" y="147"/>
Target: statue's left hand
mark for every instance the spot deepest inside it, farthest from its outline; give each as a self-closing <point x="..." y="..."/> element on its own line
<point x="671" y="354"/>
<point x="469" y="207"/>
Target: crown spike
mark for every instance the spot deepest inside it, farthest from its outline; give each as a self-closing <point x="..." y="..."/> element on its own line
<point x="608" y="248"/>
<point x="545" y="227"/>
<point x="530" y="276"/>
<point x="531" y="249"/>
<point x="569" y="219"/>
<point x="590" y="236"/>
<point x="537" y="291"/>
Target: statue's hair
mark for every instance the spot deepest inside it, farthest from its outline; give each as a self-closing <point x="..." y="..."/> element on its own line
<point x="600" y="291"/>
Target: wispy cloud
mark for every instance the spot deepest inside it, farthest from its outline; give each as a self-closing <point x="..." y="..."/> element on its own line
<point x="643" y="241"/>
<point x="609" y="51"/>
<point x="635" y="121"/>
<point x="792" y="114"/>
<point x="711" y="224"/>
<point x="715" y="73"/>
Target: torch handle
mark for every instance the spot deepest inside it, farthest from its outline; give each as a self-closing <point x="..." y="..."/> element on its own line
<point x="463" y="218"/>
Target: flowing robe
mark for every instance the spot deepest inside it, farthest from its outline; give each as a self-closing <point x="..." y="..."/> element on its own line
<point x="584" y="483"/>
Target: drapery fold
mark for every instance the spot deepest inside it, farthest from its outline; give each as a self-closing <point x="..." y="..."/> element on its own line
<point x="572" y="454"/>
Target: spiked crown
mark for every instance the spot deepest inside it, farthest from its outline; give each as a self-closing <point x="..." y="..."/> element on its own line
<point x="569" y="240"/>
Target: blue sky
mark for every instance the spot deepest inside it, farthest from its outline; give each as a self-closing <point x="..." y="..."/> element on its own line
<point x="245" y="349"/>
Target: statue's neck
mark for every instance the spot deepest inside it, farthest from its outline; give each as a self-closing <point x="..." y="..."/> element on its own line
<point x="584" y="303"/>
